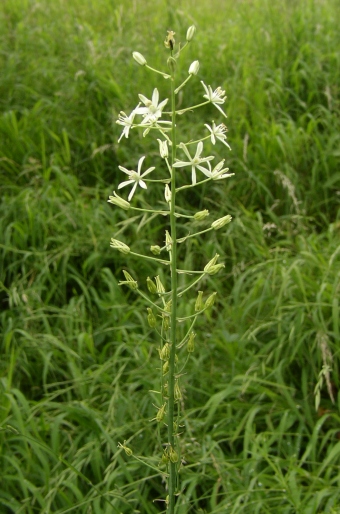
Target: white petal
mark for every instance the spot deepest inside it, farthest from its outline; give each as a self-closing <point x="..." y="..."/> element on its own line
<point x="140" y="162"/>
<point x="126" y="183"/>
<point x="155" y="96"/>
<point x="124" y="170"/>
<point x="132" y="191"/>
<point x="142" y="184"/>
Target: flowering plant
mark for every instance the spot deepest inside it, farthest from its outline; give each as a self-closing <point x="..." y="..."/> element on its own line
<point x="163" y="314"/>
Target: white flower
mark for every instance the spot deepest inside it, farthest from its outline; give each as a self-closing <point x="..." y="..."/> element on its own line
<point x="135" y="177"/>
<point x="216" y="97"/>
<point x="152" y="110"/>
<point x="194" y="162"/>
<point x="126" y="122"/>
<point x="218" y="172"/>
<point x="218" y="133"/>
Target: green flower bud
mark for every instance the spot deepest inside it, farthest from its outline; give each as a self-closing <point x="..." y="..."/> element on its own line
<point x="166" y="389"/>
<point x="167" y="193"/>
<point x="191" y="342"/>
<point x="159" y="285"/>
<point x="165" y="457"/>
<point x="130" y="281"/>
<point x="211" y="263"/>
<point x="177" y="392"/>
<point x="121" y="247"/>
<point x="190" y="33"/>
<point x="151" y="285"/>
<point x="199" y="216"/>
<point x="215" y="269"/>
<point x="127" y="450"/>
<point x="151" y="318"/>
<point x="164" y="353"/>
<point x="210" y="301"/>
<point x="217" y="224"/>
<point x="168" y="240"/>
<point x="160" y="414"/>
<point x="172" y="64"/>
<point x="117" y="200"/>
<point x="163" y="149"/>
<point x="139" y="58"/>
<point x="199" y="302"/>
<point x="165" y="368"/>
<point x="166" y="322"/>
<point x="155" y="249"/>
<point x="173" y="455"/>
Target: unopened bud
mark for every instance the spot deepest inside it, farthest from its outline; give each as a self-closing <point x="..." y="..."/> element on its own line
<point x="165" y="368"/>
<point x="190" y="33"/>
<point x="166" y="389"/>
<point x="194" y="67"/>
<point x="172" y="64"/>
<point x="151" y="286"/>
<point x="199" y="302"/>
<point x="127" y="450"/>
<point x="155" y="249"/>
<point x="160" y="414"/>
<point x="165" y="457"/>
<point x="164" y="352"/>
<point x="117" y="200"/>
<point x="166" y="322"/>
<point x="211" y="263"/>
<point x="173" y="455"/>
<point x="215" y="269"/>
<point x="159" y="285"/>
<point x="151" y="318"/>
<point x="168" y="240"/>
<point x="217" y="224"/>
<point x="163" y="149"/>
<point x="210" y="301"/>
<point x="118" y="245"/>
<point x="130" y="281"/>
<point x="177" y="392"/>
<point x="191" y="342"/>
<point x="199" y="216"/>
<point x="167" y="193"/>
<point x="139" y="58"/>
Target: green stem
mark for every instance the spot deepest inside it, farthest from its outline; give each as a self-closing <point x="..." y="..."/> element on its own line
<point x="173" y="323"/>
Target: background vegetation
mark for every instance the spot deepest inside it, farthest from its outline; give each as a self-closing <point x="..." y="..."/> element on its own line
<point x="77" y="358"/>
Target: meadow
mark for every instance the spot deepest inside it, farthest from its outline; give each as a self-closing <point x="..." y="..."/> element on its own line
<point x="78" y="359"/>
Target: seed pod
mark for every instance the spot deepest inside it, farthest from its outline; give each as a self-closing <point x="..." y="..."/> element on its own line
<point x="164" y="353"/>
<point x="191" y="342"/>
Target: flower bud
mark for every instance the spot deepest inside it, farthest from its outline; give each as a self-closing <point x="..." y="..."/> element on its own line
<point x="177" y="392"/>
<point x="130" y="281"/>
<point x="210" y="301"/>
<point x="194" y="67"/>
<point x="166" y="322"/>
<point x="163" y="149"/>
<point x="215" y="269"/>
<point x="139" y="58"/>
<point x="173" y="455"/>
<point x="165" y="368"/>
<point x="190" y="33"/>
<point x="167" y="193"/>
<point x="159" y="285"/>
<point x="164" y="352"/>
<point x="151" y="286"/>
<point x="212" y="262"/>
<point x="165" y="457"/>
<point x="199" y="302"/>
<point x="166" y="389"/>
<point x="160" y="414"/>
<point x="118" y="245"/>
<point x="155" y="249"/>
<point x="172" y="64"/>
<point x="151" y="318"/>
<point x="217" y="224"/>
<point x="117" y="200"/>
<point x="199" y="216"/>
<point x="127" y="450"/>
<point x="191" y="342"/>
<point x="168" y="240"/>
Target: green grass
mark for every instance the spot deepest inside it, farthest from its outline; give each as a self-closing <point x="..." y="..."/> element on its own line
<point x="77" y="356"/>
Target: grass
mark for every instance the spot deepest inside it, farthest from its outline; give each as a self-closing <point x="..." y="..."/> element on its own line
<point x="78" y="358"/>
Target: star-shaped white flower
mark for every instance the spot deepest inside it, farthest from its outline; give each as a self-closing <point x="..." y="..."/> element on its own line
<point x="152" y="110"/>
<point x="218" y="132"/>
<point x="194" y="162"/>
<point x="218" y="172"/>
<point x="135" y="177"/>
<point x="216" y="97"/>
<point x="126" y="122"/>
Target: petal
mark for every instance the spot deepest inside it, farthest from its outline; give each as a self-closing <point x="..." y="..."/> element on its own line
<point x="142" y="184"/>
<point x="221" y="110"/>
<point x="125" y="183"/>
<point x="199" y="150"/>
<point x="132" y="191"/>
<point x="124" y="170"/>
<point x="143" y="99"/>
<point x="149" y="170"/>
<point x="193" y="175"/>
<point x="181" y="164"/>
<point x="155" y="96"/>
<point x="186" y="151"/>
<point x="140" y="162"/>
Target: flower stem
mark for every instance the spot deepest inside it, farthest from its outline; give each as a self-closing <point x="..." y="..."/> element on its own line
<point x="173" y="259"/>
